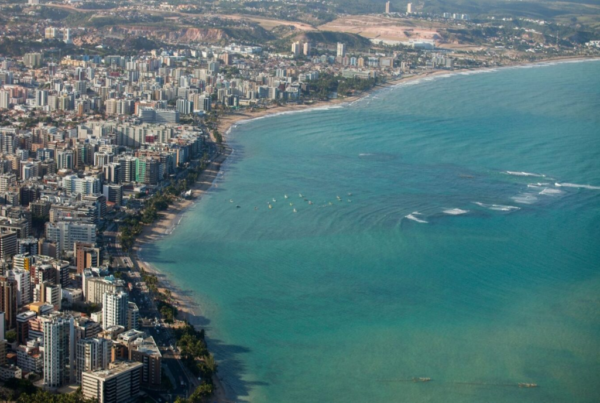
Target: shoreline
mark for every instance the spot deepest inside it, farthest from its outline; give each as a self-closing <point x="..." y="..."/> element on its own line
<point x="169" y="219"/>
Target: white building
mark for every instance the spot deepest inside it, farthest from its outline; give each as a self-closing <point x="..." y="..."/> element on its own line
<point x="23" y="279"/>
<point x="119" y="383"/>
<point x="66" y="233"/>
<point x="59" y="349"/>
<point x="92" y="354"/>
<point x="114" y="309"/>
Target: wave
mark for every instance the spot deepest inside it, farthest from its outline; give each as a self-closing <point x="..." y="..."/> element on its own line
<point x="515" y="173"/>
<point x="413" y="218"/>
<point x="575" y="185"/>
<point x="538" y="185"/>
<point x="498" y="207"/>
<point x="525" y="198"/>
<point x="551" y="192"/>
<point x="455" y="211"/>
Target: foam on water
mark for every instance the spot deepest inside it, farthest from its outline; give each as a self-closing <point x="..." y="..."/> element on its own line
<point x="525" y="198"/>
<point x="551" y="192"/>
<point x="514" y="173"/>
<point x="575" y="185"/>
<point x="498" y="207"/>
<point x="455" y="211"/>
<point x="413" y="217"/>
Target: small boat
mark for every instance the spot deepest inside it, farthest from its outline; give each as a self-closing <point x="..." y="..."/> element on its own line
<point x="330" y="203"/>
<point x="291" y="204"/>
<point x="349" y="201"/>
<point x="230" y="200"/>
<point x="286" y="196"/>
<point x="274" y="201"/>
<point x="300" y="195"/>
<point x="349" y="194"/>
<point x="528" y="385"/>
<point x="295" y="211"/>
<point x="309" y="202"/>
<point x="270" y="206"/>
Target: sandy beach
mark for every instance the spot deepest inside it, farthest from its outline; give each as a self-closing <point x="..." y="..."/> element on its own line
<point x="168" y="220"/>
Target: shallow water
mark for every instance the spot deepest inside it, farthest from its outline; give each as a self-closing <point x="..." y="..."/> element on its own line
<point x="464" y="246"/>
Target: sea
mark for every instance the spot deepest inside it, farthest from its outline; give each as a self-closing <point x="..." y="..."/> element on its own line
<point x="435" y="241"/>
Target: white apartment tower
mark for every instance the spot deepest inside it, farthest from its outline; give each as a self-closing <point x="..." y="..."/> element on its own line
<point x="92" y="354"/>
<point x="341" y="49"/>
<point x="59" y="349"/>
<point x="114" y="309"/>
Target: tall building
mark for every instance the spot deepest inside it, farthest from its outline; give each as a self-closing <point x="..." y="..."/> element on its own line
<point x="341" y="49"/>
<point x="41" y="97"/>
<point x="8" y="301"/>
<point x="409" y="8"/>
<point x="296" y="48"/>
<point x="119" y="383"/>
<point x="92" y="354"/>
<point x="387" y="7"/>
<point x="8" y="244"/>
<point x="23" y="320"/>
<point x="306" y="49"/>
<point x="145" y="350"/>
<point x="59" y="349"/>
<point x="86" y="256"/>
<point x="95" y="288"/>
<point x="23" y="279"/>
<point x="4" y="99"/>
<point x="32" y="60"/>
<point x="114" y="309"/>
<point x="133" y="316"/>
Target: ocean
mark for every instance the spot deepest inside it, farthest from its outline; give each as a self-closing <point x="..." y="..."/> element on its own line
<point x="446" y="229"/>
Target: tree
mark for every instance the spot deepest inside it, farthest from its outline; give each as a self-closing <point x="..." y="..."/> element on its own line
<point x="11" y="336"/>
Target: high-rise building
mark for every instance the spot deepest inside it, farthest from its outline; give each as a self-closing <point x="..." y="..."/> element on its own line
<point x="8" y="301"/>
<point x="296" y="48"/>
<point x="23" y="279"/>
<point x="94" y="288"/>
<point x="306" y="49"/>
<point x="52" y="294"/>
<point x="41" y="97"/>
<point x="114" y="309"/>
<point x="4" y="99"/>
<point x="133" y="316"/>
<point x="409" y="8"/>
<point x="32" y="60"/>
<point x="341" y="49"/>
<point x="92" y="354"/>
<point x="387" y="7"/>
<point x="59" y="349"/>
<point x="28" y="245"/>
<point x="119" y="383"/>
<point x="86" y="256"/>
<point x="145" y="350"/>
<point x="23" y="320"/>
<point x="8" y="244"/>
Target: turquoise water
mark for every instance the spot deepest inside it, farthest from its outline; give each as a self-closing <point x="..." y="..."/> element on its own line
<point x="492" y="280"/>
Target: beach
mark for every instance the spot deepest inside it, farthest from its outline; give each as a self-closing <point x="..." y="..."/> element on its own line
<point x="169" y="220"/>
